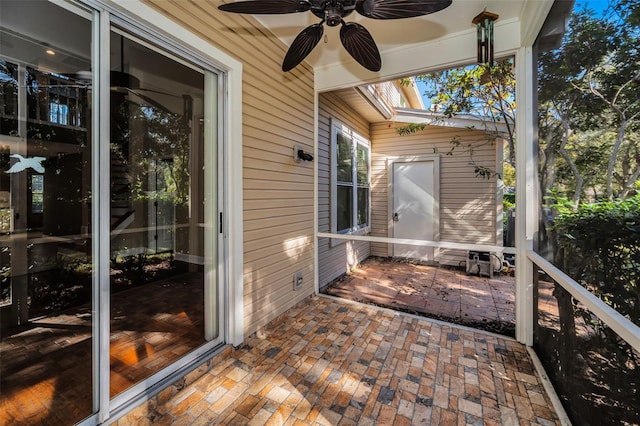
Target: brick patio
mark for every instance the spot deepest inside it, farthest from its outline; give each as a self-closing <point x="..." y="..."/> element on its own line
<point x="442" y="293"/>
<point x="333" y="362"/>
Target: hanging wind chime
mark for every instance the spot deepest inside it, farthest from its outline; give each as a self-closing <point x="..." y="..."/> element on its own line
<point x="484" y="24"/>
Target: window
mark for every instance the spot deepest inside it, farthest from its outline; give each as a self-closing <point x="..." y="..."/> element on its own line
<point x="350" y="170"/>
<point x="37" y="193"/>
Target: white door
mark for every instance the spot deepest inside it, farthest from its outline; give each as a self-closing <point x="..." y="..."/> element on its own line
<point x="415" y="207"/>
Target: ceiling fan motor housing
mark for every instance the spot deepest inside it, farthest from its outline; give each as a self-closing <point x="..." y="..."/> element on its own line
<point x="333" y="11"/>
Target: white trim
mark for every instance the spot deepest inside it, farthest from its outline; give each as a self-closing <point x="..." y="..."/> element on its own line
<point x="235" y="213"/>
<point x="548" y="387"/>
<point x="499" y="188"/>
<point x="424" y="243"/>
<point x="535" y="14"/>
<point x="526" y="198"/>
<point x="612" y="318"/>
<point x="101" y="75"/>
<point x="356" y="139"/>
<point x="333" y="174"/>
<point x="436" y="195"/>
<point x="408" y="115"/>
<point x="211" y="261"/>
<point x="375" y="102"/>
<point x="316" y="123"/>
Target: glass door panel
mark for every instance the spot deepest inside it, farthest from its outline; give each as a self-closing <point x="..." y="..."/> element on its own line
<point x="157" y="264"/>
<point x="46" y="261"/>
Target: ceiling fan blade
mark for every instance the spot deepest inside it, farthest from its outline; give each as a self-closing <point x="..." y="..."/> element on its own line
<point x="149" y="101"/>
<point x="160" y="92"/>
<point x="302" y="46"/>
<point x="398" y="9"/>
<point x="266" y="7"/>
<point x="359" y="43"/>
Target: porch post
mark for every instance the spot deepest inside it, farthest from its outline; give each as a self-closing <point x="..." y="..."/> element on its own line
<point x="316" y="272"/>
<point x="526" y="191"/>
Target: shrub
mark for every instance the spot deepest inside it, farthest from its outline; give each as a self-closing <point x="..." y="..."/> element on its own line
<point x="601" y="245"/>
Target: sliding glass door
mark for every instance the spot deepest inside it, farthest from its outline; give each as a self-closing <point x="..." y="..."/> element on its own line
<point x="46" y="232"/>
<point x="109" y="201"/>
<point x="157" y="217"/>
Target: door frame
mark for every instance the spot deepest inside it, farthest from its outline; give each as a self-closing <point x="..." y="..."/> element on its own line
<point x="223" y="81"/>
<point x="391" y="161"/>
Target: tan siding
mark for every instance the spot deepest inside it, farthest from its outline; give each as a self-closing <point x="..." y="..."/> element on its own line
<point x="467" y="202"/>
<point x="333" y="261"/>
<point x="277" y="192"/>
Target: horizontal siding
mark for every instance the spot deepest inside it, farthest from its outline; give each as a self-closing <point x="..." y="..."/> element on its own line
<point x="467" y="203"/>
<point x="277" y="192"/>
<point x="334" y="260"/>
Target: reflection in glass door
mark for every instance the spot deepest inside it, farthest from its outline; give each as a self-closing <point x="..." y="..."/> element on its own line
<point x="157" y="264"/>
<point x="46" y="231"/>
<point x="78" y="336"/>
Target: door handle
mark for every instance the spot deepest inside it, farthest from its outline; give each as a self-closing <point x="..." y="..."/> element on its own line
<point x="395" y="217"/>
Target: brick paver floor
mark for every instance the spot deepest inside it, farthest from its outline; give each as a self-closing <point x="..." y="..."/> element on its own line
<point x="333" y="362"/>
<point x="437" y="292"/>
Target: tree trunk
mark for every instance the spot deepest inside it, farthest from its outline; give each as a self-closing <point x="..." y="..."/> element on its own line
<point x="567" y="336"/>
<point x="566" y="132"/>
<point x="614" y="156"/>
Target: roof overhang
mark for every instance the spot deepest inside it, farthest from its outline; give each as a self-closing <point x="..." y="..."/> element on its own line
<point x="406" y="115"/>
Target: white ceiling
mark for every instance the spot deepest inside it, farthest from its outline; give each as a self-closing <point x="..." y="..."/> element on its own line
<point x="391" y="34"/>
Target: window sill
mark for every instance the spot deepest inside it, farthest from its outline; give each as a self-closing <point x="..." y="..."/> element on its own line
<point x="363" y="231"/>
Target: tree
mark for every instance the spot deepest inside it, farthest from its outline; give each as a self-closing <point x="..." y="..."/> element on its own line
<point x="590" y="86"/>
<point x="563" y="107"/>
<point x="485" y="93"/>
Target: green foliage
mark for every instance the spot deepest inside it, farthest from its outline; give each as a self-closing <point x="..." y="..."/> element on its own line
<point x="484" y="172"/>
<point x="589" y="98"/>
<point x="509" y="200"/>
<point x="628" y="10"/>
<point x="410" y="129"/>
<point x="600" y="244"/>
<point x="486" y="93"/>
<point x="155" y="146"/>
<point x="483" y="91"/>
<point x="508" y="175"/>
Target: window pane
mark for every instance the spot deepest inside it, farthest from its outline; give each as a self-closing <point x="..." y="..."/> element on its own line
<point x="363" y="206"/>
<point x="37" y="193"/>
<point x="157" y="211"/>
<point x="363" y="164"/>
<point x="344" y="208"/>
<point x="8" y="98"/>
<point x="344" y="159"/>
<point x="46" y="257"/>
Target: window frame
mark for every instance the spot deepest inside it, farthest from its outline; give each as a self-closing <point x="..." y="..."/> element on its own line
<point x="356" y="140"/>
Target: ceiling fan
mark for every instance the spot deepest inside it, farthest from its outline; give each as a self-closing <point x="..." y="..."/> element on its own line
<point x="125" y="84"/>
<point x="354" y="37"/>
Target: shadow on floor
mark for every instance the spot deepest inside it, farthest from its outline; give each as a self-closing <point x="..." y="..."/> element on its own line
<point x="441" y="293"/>
<point x="330" y="362"/>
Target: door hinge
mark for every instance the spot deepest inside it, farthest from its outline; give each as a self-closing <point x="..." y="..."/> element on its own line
<point x="221" y="223"/>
